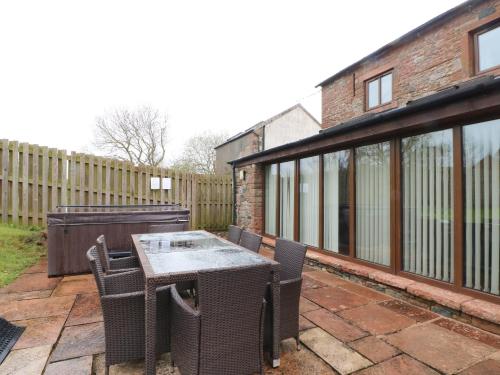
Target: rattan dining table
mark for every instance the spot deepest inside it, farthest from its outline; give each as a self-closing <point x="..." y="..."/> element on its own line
<point x="168" y="258"/>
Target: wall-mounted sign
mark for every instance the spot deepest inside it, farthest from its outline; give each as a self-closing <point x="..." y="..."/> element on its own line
<point x="166" y="183"/>
<point x="155" y="183"/>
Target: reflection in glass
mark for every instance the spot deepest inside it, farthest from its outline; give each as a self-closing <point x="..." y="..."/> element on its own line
<point x="271" y="172"/>
<point x="336" y="201"/>
<point x="309" y="200"/>
<point x="287" y="187"/>
<point x="372" y="203"/>
<point x="489" y="49"/>
<point x="481" y="158"/>
<point x="386" y="88"/>
<point x="373" y="93"/>
<point x="428" y="205"/>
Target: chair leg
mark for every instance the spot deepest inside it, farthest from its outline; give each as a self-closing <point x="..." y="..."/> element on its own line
<point x="106" y="370"/>
<point x="298" y="342"/>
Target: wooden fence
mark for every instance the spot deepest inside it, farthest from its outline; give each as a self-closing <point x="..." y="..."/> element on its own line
<point x="34" y="180"/>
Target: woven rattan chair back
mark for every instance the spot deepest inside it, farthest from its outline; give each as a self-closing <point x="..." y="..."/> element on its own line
<point x="103" y="253"/>
<point x="234" y="234"/>
<point x="290" y="255"/>
<point x="167" y="228"/>
<point x="250" y="241"/>
<point x="231" y="308"/>
<point x="96" y="267"/>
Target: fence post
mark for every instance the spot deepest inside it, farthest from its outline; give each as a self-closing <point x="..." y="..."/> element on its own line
<point x="35" y="208"/>
<point x="26" y="171"/>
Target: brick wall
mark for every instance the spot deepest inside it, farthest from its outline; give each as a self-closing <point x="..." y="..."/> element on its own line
<point x="249" y="198"/>
<point x="438" y="58"/>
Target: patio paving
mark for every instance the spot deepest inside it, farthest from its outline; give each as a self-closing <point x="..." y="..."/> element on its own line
<point x="346" y="328"/>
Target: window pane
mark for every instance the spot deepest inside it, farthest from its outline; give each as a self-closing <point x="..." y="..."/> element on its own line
<point x="270" y="198"/>
<point x="489" y="49"/>
<point x="287" y="187"/>
<point x="386" y="89"/>
<point x="373" y="97"/>
<point x="428" y="205"/>
<point x="482" y="206"/>
<point x="336" y="200"/>
<point x="372" y="203"/>
<point x="309" y="200"/>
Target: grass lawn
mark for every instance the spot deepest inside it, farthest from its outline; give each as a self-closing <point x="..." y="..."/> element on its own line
<point x="20" y="248"/>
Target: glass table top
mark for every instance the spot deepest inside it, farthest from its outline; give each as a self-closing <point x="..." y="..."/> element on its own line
<point x="191" y="251"/>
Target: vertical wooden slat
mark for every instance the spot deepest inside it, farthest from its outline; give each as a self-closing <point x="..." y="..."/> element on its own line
<point x="5" y="180"/>
<point x="124" y="167"/>
<point x="25" y="200"/>
<point x="72" y="178"/>
<point x="55" y="178"/>
<point x="116" y="187"/>
<point x="15" y="182"/>
<point x="107" y="195"/>
<point x="35" y="209"/>
<point x="140" y="170"/>
<point x="45" y="184"/>
<point x="132" y="190"/>
<point x="64" y="177"/>
<point x="91" y="182"/>
<point x="147" y="185"/>
<point x="82" y="183"/>
<point x="195" y="199"/>
<point x="99" y="181"/>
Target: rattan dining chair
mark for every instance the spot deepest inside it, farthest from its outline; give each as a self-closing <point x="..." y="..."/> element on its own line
<point x="251" y="241"/>
<point x="290" y="255"/>
<point x="122" y="303"/>
<point x="225" y="335"/>
<point x="234" y="234"/>
<point x="168" y="228"/>
<point x="114" y="265"/>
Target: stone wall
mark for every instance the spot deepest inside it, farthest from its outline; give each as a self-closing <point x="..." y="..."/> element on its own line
<point x="439" y="57"/>
<point x="250" y="197"/>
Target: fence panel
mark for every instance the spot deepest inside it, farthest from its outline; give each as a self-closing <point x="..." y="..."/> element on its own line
<point x="34" y="180"/>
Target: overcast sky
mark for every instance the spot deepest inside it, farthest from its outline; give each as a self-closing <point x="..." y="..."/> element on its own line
<point x="211" y="65"/>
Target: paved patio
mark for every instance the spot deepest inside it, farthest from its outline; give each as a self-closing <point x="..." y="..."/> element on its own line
<point x="346" y="328"/>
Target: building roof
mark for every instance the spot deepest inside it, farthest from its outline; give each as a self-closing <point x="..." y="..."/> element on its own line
<point x="413" y="34"/>
<point x="264" y="123"/>
<point x="464" y="90"/>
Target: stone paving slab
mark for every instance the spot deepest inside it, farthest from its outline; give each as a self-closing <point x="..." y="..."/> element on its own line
<point x="335" y="299"/>
<point x="326" y="278"/>
<point x="342" y="358"/>
<point x="75" y="366"/>
<point x="305" y="305"/>
<point x="78" y="341"/>
<point x="334" y="325"/>
<point x="72" y="285"/>
<point x="410" y="311"/>
<point x="365" y="292"/>
<point x="40" y="331"/>
<point x="374" y="349"/>
<point x="469" y="331"/>
<point x="488" y="367"/>
<point x="310" y="283"/>
<point x="400" y="365"/>
<point x="305" y="324"/>
<point x="29" y="361"/>
<point x="31" y="281"/>
<point x="440" y="348"/>
<point x="40" y="267"/>
<point x="87" y="309"/>
<point x="376" y="319"/>
<point x="7" y="297"/>
<point x="36" y="308"/>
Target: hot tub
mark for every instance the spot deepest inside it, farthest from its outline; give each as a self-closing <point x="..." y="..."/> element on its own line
<point x="72" y="230"/>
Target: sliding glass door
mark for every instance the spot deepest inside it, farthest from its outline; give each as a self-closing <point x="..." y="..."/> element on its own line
<point x="271" y="174"/>
<point x="309" y="200"/>
<point x="373" y="203"/>
<point x="336" y="201"/>
<point x="287" y="204"/>
<point x="427" y="170"/>
<point x="481" y="169"/>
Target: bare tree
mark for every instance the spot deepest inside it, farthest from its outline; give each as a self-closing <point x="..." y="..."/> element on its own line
<point x="198" y="155"/>
<point x="139" y="136"/>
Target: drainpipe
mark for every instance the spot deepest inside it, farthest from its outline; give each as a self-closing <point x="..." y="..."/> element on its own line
<point x="234" y="192"/>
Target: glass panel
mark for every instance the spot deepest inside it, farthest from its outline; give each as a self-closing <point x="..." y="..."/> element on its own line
<point x="373" y="94"/>
<point x="271" y="172"/>
<point x="482" y="206"/>
<point x="428" y="205"/>
<point x="372" y="203"/>
<point x="309" y="200"/>
<point x="489" y="49"/>
<point x="336" y="200"/>
<point x="386" y="89"/>
<point x="193" y="251"/>
<point x="287" y="187"/>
